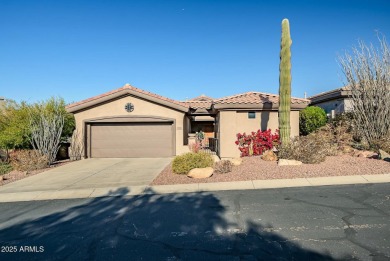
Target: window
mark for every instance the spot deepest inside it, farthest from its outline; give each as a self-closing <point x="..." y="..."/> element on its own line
<point x="251" y="115"/>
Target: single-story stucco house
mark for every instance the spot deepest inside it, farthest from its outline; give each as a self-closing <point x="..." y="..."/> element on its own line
<point x="334" y="101"/>
<point x="130" y="122"/>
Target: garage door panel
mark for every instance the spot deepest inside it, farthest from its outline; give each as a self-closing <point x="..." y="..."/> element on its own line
<point x="131" y="140"/>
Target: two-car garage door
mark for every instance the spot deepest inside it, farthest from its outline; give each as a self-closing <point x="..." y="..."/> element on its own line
<point x="128" y="140"/>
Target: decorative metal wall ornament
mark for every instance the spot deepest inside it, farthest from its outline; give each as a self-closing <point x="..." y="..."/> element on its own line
<point x="129" y="107"/>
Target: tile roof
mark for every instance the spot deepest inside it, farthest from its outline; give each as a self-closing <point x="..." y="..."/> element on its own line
<point x="256" y="98"/>
<point x="202" y="98"/>
<point x="200" y="102"/>
<point x="123" y="88"/>
<point x="346" y="89"/>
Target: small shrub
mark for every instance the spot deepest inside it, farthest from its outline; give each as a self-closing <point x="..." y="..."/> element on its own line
<point x="256" y="142"/>
<point x="182" y="164"/>
<point x="382" y="144"/>
<point x="28" y="160"/>
<point x="310" y="119"/>
<point x="309" y="149"/>
<point x="223" y="166"/>
<point x="5" y="168"/>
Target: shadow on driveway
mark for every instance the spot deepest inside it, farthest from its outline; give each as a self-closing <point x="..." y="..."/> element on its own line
<point x="149" y="227"/>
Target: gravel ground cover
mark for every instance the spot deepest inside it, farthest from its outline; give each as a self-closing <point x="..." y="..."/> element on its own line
<point x="18" y="175"/>
<point x="254" y="168"/>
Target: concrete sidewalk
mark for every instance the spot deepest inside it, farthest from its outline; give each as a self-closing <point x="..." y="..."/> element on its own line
<point x="185" y="188"/>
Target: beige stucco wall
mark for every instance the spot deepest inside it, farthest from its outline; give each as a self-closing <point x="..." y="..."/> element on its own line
<point x="233" y="122"/>
<point x="141" y="108"/>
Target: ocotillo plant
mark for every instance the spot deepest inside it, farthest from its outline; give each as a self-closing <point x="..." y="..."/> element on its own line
<point x="285" y="84"/>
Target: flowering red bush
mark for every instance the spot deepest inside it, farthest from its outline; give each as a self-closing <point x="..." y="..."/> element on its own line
<point x="256" y="142"/>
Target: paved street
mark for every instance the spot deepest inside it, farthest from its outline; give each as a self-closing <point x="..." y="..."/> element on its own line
<point x="349" y="222"/>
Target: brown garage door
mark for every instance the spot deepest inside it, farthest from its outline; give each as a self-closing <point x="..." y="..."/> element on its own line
<point x="128" y="140"/>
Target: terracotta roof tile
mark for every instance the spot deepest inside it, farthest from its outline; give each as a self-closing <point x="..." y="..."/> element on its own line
<point x="198" y="104"/>
<point x="202" y="98"/>
<point x="201" y="102"/>
<point x="256" y="98"/>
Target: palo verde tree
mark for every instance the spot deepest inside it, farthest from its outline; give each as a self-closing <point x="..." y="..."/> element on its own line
<point x="14" y="127"/>
<point x="367" y="74"/>
<point x="285" y="84"/>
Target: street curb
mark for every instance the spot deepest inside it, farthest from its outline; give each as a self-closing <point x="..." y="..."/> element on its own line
<point x="193" y="188"/>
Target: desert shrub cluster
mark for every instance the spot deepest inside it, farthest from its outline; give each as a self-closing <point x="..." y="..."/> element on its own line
<point x="5" y="168"/>
<point x="309" y="149"/>
<point x="28" y="160"/>
<point x="329" y="140"/>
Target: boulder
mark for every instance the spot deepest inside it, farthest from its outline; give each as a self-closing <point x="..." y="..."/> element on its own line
<point x="286" y="162"/>
<point x="236" y="161"/>
<point x="216" y="158"/>
<point x="384" y="155"/>
<point x="269" y="155"/>
<point x="200" y="173"/>
<point x="363" y="154"/>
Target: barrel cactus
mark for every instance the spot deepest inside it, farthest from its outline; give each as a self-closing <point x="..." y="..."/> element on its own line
<point x="285" y="84"/>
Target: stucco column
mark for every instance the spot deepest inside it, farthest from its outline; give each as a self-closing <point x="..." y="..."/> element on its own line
<point x="227" y="134"/>
<point x="191" y="138"/>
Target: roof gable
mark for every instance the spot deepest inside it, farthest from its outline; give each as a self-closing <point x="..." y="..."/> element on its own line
<point x="123" y="91"/>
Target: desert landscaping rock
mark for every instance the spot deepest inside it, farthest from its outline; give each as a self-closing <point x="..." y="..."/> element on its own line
<point x="254" y="168"/>
<point x="269" y="155"/>
<point x="200" y="173"/>
<point x="236" y="161"/>
<point x="285" y="162"/>
<point x="384" y="155"/>
<point x="363" y="153"/>
<point x="216" y="158"/>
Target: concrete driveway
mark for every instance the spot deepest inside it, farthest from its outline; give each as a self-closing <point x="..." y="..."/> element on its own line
<point x="92" y="174"/>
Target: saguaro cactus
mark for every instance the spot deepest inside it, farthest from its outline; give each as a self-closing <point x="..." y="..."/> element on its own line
<point x="285" y="84"/>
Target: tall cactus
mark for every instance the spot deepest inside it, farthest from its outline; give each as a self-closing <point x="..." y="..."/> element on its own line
<point x="285" y="84"/>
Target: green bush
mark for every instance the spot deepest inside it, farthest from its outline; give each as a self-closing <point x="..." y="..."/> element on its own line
<point x="15" y="128"/>
<point x="184" y="163"/>
<point x="5" y="168"/>
<point x="310" y="119"/>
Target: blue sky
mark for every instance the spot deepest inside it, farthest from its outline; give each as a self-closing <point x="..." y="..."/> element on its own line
<point x="178" y="49"/>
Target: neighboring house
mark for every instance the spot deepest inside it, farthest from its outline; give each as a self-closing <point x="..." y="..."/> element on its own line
<point x="130" y="122"/>
<point x="337" y="100"/>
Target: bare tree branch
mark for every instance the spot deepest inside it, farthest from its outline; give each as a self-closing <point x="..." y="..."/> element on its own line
<point x="76" y="148"/>
<point x="367" y="74"/>
<point x="46" y="129"/>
